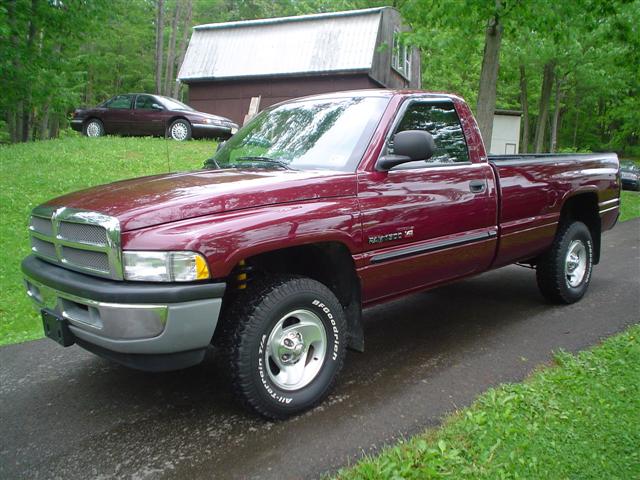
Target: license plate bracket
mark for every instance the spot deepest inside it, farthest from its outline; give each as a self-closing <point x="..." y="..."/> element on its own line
<point x="56" y="328"/>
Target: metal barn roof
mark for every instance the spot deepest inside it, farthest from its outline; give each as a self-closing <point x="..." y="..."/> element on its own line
<point x="307" y="44"/>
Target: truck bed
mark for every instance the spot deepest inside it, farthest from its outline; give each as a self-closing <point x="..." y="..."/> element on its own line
<point x="533" y="188"/>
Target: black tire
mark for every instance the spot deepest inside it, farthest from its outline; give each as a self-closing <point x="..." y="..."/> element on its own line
<point x="179" y="130"/>
<point x="248" y="325"/>
<point x="554" y="282"/>
<point x="93" y="128"/>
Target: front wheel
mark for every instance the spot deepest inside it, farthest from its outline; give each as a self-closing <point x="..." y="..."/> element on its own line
<point x="286" y="343"/>
<point x="564" y="271"/>
<point x="180" y="130"/>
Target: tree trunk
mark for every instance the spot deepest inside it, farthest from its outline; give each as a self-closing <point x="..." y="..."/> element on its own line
<point x="182" y="49"/>
<point x="545" y="100"/>
<point x="159" y="43"/>
<point x="27" y="110"/>
<point x="18" y="121"/>
<point x="171" y="53"/>
<point x="524" y="105"/>
<point x="576" y="120"/>
<point x="43" y="130"/>
<point x="556" y="116"/>
<point x="54" y="126"/>
<point x="12" y="125"/>
<point x="489" y="77"/>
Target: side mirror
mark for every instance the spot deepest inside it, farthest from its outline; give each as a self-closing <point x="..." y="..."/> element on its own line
<point x="157" y="106"/>
<point x="408" y="146"/>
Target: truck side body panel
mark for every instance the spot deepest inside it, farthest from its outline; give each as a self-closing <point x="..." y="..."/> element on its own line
<point x="533" y="192"/>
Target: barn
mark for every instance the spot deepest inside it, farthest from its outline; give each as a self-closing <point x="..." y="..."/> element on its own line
<point x="228" y="64"/>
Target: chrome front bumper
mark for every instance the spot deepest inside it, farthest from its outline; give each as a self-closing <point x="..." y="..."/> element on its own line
<point x="142" y="323"/>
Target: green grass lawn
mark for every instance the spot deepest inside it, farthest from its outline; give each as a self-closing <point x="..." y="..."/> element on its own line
<point x="35" y="172"/>
<point x="579" y="419"/>
<point x="629" y="205"/>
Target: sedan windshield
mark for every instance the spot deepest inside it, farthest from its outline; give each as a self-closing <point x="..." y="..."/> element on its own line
<point x="304" y="135"/>
<point x="173" y="104"/>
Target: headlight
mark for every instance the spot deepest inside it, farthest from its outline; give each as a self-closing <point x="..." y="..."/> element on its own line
<point x="164" y="266"/>
<point x="211" y="121"/>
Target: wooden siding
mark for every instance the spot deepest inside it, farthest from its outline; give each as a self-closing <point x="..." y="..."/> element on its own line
<point x="381" y="70"/>
<point x="231" y="98"/>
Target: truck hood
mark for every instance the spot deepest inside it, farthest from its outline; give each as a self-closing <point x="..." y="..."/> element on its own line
<point x="147" y="201"/>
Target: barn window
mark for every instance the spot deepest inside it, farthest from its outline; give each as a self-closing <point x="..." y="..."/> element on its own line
<point x="401" y="58"/>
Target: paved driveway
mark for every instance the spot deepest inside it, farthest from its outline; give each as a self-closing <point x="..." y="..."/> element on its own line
<point x="67" y="414"/>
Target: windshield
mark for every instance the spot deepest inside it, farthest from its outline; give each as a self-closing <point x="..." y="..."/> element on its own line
<point x="304" y="135"/>
<point x="173" y="104"/>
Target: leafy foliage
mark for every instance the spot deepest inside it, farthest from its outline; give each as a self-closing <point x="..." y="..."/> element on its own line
<point x="58" y="55"/>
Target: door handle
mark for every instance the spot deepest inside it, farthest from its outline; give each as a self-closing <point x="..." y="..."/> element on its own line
<point x="477" y="186"/>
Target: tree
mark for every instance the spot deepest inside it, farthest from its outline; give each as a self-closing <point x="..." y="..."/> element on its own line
<point x="159" y="43"/>
<point x="489" y="76"/>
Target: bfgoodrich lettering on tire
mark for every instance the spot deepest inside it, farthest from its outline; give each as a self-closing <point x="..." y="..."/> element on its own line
<point x="564" y="271"/>
<point x="285" y="340"/>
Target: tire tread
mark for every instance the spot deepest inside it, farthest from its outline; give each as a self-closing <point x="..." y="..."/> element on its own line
<point x="242" y="321"/>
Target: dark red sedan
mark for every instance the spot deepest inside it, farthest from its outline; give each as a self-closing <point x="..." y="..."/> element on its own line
<point x="145" y="114"/>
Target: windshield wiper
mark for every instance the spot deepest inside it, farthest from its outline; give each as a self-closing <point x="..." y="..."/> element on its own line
<point x="268" y="160"/>
<point x="212" y="162"/>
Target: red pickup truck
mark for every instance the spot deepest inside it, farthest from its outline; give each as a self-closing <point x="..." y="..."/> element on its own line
<point x="317" y="208"/>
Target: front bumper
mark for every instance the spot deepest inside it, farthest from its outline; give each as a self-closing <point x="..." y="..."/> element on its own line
<point x="143" y="325"/>
<point x="630" y="184"/>
<point x="212" y="131"/>
<point x="76" y="124"/>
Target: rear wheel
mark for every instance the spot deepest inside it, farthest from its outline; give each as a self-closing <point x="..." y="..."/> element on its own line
<point x="564" y="271"/>
<point x="180" y="130"/>
<point x="286" y="342"/>
<point x="94" y="128"/>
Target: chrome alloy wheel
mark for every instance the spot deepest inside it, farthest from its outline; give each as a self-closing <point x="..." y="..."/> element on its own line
<point x="179" y="131"/>
<point x="575" y="263"/>
<point x="94" y="129"/>
<point x="296" y="350"/>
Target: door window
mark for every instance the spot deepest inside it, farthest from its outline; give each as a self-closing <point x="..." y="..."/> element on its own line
<point x="144" y="102"/>
<point x="442" y="122"/>
<point x="121" y="102"/>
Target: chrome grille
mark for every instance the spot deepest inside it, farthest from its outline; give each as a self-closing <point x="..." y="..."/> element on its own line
<point x="83" y="233"/>
<point x="79" y="240"/>
<point x="86" y="258"/>
<point x="43" y="247"/>
<point x="41" y="225"/>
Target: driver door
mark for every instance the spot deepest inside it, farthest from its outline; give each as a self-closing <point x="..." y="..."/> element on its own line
<point x="147" y="118"/>
<point x="426" y="222"/>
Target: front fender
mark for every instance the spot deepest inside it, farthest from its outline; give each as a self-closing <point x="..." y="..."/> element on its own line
<point x="226" y="238"/>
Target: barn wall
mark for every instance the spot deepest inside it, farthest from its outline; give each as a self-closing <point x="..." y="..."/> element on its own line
<point x="231" y="98"/>
<point x="381" y="69"/>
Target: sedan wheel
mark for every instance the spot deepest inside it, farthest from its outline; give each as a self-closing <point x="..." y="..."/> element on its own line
<point x="180" y="130"/>
<point x="94" y="128"/>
